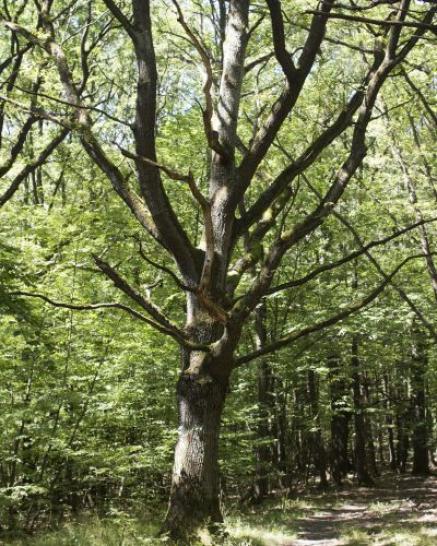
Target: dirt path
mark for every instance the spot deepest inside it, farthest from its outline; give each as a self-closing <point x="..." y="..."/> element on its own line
<point x="373" y="516"/>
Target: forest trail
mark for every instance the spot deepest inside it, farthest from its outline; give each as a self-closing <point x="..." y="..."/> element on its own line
<point x="401" y="503"/>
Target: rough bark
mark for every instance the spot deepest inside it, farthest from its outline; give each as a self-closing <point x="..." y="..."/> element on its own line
<point x="194" y="498"/>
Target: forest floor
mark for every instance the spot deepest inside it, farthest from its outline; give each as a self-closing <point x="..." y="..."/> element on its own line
<point x="399" y="511"/>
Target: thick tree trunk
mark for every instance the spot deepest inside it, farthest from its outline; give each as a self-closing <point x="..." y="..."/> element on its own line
<point x="340" y="418"/>
<point x="361" y="467"/>
<point x="420" y="433"/>
<point x="194" y="497"/>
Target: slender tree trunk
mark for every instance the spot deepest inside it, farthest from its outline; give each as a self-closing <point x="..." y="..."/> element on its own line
<point x="280" y="429"/>
<point x="318" y="445"/>
<point x="389" y="424"/>
<point x="299" y="443"/>
<point x="340" y="464"/>
<point x="391" y="443"/>
<point x="361" y="467"/>
<point x="266" y="411"/>
<point x="369" y="429"/>
<point x="420" y="433"/>
<point x="403" y="441"/>
<point x="264" y="432"/>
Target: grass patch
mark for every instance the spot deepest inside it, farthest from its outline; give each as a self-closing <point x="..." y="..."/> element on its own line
<point x="354" y="520"/>
<point x="402" y="535"/>
<point x="256" y="528"/>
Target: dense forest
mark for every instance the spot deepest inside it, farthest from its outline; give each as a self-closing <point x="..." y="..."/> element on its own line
<point x="218" y="251"/>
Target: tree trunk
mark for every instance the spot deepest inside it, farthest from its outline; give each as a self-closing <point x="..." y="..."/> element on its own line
<point x="282" y="434"/>
<point x="318" y="446"/>
<point x="361" y="467"/>
<point x="403" y="441"/>
<point x="340" y="464"/>
<point x="194" y="496"/>
<point x="389" y="424"/>
<point x="298" y="434"/>
<point x="420" y="433"/>
<point x="266" y="403"/>
<point x="369" y="429"/>
<point x="264" y="433"/>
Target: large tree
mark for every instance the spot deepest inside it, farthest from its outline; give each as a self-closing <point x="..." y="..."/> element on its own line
<point x="243" y="204"/>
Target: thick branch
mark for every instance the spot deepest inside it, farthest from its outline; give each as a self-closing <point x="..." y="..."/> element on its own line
<point x="232" y="77"/>
<point x="384" y="62"/>
<point x="170" y="231"/>
<point x="284" y="105"/>
<point x="18" y="146"/>
<point x="121" y="17"/>
<point x="284" y="58"/>
<point x="309" y="156"/>
<point x="144" y="302"/>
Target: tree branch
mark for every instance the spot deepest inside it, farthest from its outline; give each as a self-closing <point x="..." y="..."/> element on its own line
<point x="111" y="305"/>
<point x="208" y="112"/>
<point x="284" y="58"/>
<point x="121" y="18"/>
<point x="333" y="265"/>
<point x="141" y="300"/>
<point x="380" y="22"/>
<point x="346" y="312"/>
<point x="31" y="167"/>
<point x="283" y="106"/>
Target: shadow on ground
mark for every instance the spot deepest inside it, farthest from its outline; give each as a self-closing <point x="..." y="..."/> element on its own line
<point x="399" y="511"/>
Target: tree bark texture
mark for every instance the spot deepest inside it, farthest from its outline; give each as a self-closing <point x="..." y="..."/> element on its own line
<point x="194" y="497"/>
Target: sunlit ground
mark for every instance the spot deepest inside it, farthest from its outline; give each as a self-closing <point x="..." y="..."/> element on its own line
<point x="395" y="514"/>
